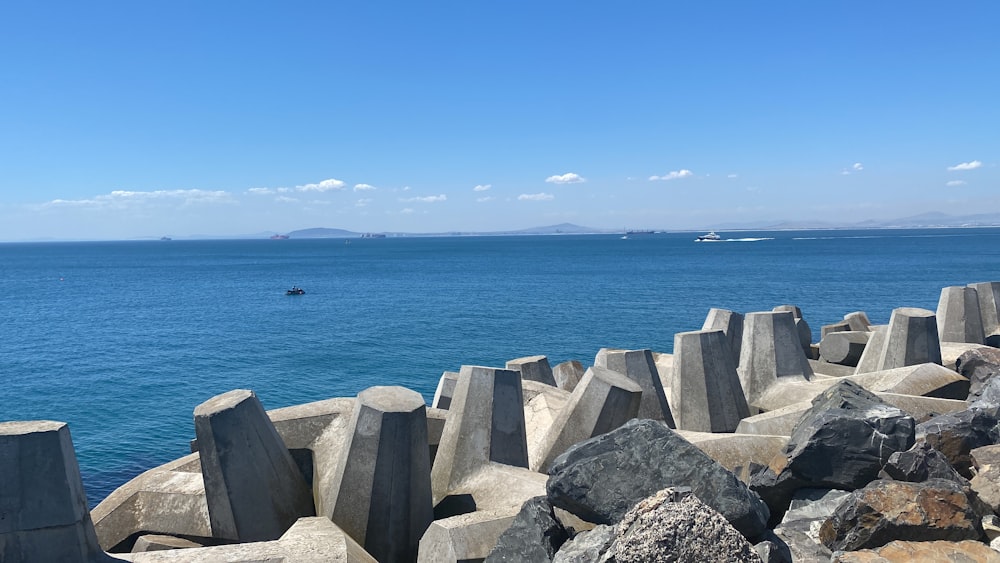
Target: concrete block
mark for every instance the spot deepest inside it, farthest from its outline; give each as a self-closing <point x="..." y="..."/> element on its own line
<point x="542" y="406"/>
<point x="445" y="390"/>
<point x="822" y="368"/>
<point x="486" y="425"/>
<point x="497" y="486"/>
<point x="844" y="348"/>
<point x="771" y="351"/>
<point x="43" y="507"/>
<point x="928" y="380"/>
<point x="912" y="339"/>
<point x="383" y="498"/>
<point x="840" y="326"/>
<point x="157" y="542"/>
<point x="958" y="315"/>
<point x="730" y="323"/>
<point x="779" y="422"/>
<point x="858" y="321"/>
<point x="603" y="401"/>
<point x="988" y="294"/>
<point x="568" y="375"/>
<point x="705" y="390"/>
<point x="309" y="540"/>
<point x="869" y="360"/>
<point x="737" y="451"/>
<point x="435" y="426"/>
<point x="793" y="309"/>
<point x="168" y="500"/>
<point x="466" y="537"/>
<point x="254" y="489"/>
<point x="786" y="392"/>
<point x="533" y="368"/>
<point x="639" y="366"/>
<point x="922" y="408"/>
<point x="950" y="352"/>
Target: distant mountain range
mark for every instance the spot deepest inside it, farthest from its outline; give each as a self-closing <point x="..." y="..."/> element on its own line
<point x="922" y="221"/>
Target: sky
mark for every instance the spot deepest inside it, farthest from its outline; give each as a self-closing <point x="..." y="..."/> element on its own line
<point x="123" y="120"/>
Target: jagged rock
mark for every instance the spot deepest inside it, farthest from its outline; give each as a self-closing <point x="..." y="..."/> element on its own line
<point x="967" y="551"/>
<point x="841" y="442"/>
<point x="986" y="482"/>
<point x="956" y="434"/>
<point x="772" y="552"/>
<point x="814" y="504"/>
<point x="895" y="510"/>
<point x="801" y="537"/>
<point x="979" y="365"/>
<point x="587" y="547"/>
<point x="534" y="535"/>
<point x="658" y="529"/>
<point x="920" y="463"/>
<point x="601" y="479"/>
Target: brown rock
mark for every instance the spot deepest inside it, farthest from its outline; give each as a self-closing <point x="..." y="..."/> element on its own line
<point x="986" y="482"/>
<point x="885" y="511"/>
<point x="967" y="551"/>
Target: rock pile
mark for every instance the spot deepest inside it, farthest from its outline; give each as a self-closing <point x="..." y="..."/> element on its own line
<point x="748" y="443"/>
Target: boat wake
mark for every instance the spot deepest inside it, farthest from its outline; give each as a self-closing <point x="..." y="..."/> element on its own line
<point x="749" y="239"/>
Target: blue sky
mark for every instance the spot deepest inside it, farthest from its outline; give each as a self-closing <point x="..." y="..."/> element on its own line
<point x="132" y="119"/>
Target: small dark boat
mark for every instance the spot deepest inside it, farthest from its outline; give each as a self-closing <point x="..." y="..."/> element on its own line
<point x="296" y="290"/>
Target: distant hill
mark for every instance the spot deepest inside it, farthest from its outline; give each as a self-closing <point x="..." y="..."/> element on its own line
<point x="933" y="219"/>
<point x="322" y="232"/>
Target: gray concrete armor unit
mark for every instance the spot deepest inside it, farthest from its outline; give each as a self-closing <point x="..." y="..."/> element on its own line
<point x="912" y="338"/>
<point x="958" y="315"/>
<point x="255" y="491"/>
<point x="730" y="323"/>
<point x="383" y="498"/>
<point x="989" y="307"/>
<point x="771" y="350"/>
<point x="533" y="368"/>
<point x="638" y="365"/>
<point x="705" y="389"/>
<point x="870" y="356"/>
<point x="844" y="347"/>
<point x="43" y="507"/>
<point x="485" y="424"/>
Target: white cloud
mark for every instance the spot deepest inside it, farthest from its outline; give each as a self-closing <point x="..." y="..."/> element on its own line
<point x="674" y="175"/>
<point x="845" y="172"/>
<point x="324" y="186"/>
<point x="363" y="202"/>
<point x="485" y="199"/>
<point x="567" y="178"/>
<point x="406" y="210"/>
<point x="126" y="198"/>
<point x="286" y="199"/>
<point x="363" y="187"/>
<point x="733" y="176"/>
<point x="954" y="183"/>
<point x="261" y="191"/>
<point x="426" y="199"/>
<point x="482" y="187"/>
<point x="536" y="197"/>
<point x="965" y="166"/>
<point x="857" y="166"/>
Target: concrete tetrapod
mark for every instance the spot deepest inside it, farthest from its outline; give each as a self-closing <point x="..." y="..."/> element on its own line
<point x="912" y="338"/>
<point x="445" y="390"/>
<point x="771" y="351"/>
<point x="638" y="365"/>
<point x="730" y="323"/>
<point x="533" y="368"/>
<point x="254" y="489"/>
<point x="705" y="389"/>
<point x="603" y="401"/>
<point x="485" y="424"/>
<point x="568" y="375"/>
<point x="958" y="316"/>
<point x="844" y="347"/>
<point x="383" y="497"/>
<point x="43" y="507"/>
<point x="989" y="309"/>
<point x="869" y="360"/>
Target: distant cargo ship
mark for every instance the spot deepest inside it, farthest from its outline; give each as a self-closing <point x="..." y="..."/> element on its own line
<point x="279" y="237"/>
<point x="639" y="232"/>
<point x="373" y="235"/>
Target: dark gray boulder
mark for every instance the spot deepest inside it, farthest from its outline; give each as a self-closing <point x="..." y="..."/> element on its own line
<point x="841" y="442"/>
<point x="601" y="479"/>
<point x="979" y="365"/>
<point x="533" y="537"/>
<point x="920" y="463"/>
<point x="588" y="547"/>
<point x="773" y="552"/>
<point x="886" y="510"/>
<point x="958" y="433"/>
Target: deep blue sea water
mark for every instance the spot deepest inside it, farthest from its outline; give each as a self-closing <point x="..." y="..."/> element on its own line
<point x="123" y="339"/>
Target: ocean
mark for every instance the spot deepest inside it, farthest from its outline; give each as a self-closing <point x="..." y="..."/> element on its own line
<point x="122" y="340"/>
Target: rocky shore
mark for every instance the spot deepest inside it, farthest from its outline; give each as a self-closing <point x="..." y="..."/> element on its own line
<point x="750" y="442"/>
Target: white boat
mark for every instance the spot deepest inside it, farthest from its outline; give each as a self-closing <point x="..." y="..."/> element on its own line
<point x="710" y="236"/>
